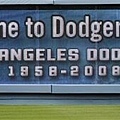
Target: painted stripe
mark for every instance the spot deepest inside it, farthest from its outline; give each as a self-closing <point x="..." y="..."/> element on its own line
<point x="85" y="88"/>
<point x="25" y="88"/>
<point x="87" y="1"/>
<point x="26" y="2"/>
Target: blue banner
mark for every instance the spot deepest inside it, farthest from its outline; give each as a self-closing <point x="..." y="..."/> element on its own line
<point x="59" y="46"/>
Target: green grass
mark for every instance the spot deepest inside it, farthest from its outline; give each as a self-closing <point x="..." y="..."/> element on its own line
<point x="60" y="112"/>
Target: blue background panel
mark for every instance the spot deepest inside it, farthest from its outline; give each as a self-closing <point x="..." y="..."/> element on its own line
<point x="22" y="42"/>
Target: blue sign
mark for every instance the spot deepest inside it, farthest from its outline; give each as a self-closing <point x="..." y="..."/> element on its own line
<point x="59" y="46"/>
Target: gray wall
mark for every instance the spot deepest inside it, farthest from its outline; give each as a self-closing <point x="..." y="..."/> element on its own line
<point x="59" y="89"/>
<point x="59" y="1"/>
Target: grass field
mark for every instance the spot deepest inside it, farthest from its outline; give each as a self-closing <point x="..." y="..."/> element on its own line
<point x="60" y="112"/>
